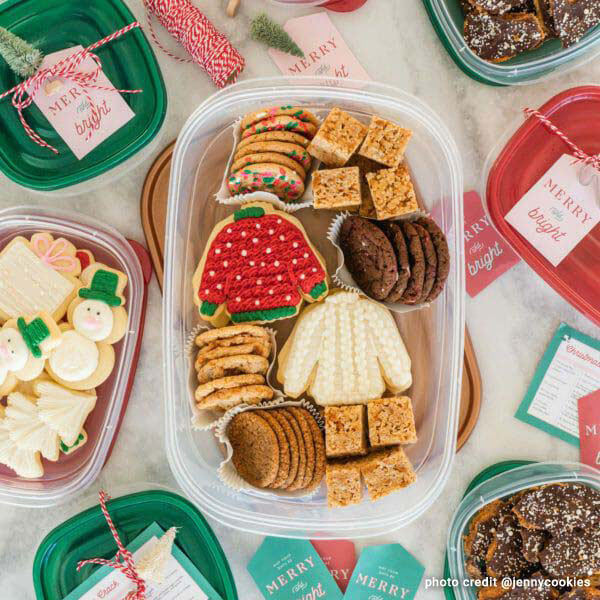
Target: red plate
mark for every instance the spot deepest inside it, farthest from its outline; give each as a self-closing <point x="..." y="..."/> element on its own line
<point x="529" y="153"/>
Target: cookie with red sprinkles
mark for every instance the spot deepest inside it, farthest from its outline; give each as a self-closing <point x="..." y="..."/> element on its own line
<point x="282" y="181"/>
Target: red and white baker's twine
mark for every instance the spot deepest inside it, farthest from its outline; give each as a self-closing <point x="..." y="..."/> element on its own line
<point x="24" y="93"/>
<point x="592" y="160"/>
<point x="209" y="48"/>
<point x="127" y="566"/>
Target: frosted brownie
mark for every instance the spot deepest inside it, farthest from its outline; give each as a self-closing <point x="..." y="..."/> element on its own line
<point x="391" y="421"/>
<point x="345" y="430"/>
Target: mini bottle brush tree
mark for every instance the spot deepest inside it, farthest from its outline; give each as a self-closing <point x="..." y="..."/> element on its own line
<point x="264" y="29"/>
<point x="22" y="58"/>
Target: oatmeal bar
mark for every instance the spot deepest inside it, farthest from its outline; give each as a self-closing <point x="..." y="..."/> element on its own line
<point x="345" y="430"/>
<point x="392" y="192"/>
<point x="337" y="188"/>
<point x="337" y="139"/>
<point x="385" y="142"/>
<point x="344" y="485"/>
<point x="386" y="471"/>
<point x="391" y="421"/>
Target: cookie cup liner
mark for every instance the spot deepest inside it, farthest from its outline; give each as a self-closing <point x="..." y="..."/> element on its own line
<point x="227" y="472"/>
<point x="223" y="195"/>
<point x="342" y="277"/>
<point x="204" y="419"/>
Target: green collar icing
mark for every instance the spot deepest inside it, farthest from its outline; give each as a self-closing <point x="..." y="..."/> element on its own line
<point x="248" y="213"/>
<point x="318" y="290"/>
<point x="34" y="334"/>
<point x="264" y="315"/>
<point x="103" y="288"/>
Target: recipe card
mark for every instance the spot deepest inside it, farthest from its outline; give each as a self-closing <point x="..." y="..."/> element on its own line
<point x="183" y="581"/>
<point x="387" y="571"/>
<point x="559" y="210"/>
<point x="569" y="370"/>
<point x="288" y="569"/>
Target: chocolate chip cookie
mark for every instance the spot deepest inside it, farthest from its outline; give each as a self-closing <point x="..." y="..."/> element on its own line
<point x="396" y="237"/>
<point x="414" y="288"/>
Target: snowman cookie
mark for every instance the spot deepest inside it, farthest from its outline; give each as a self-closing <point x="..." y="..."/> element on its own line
<point x="25" y="343"/>
<point x="96" y="320"/>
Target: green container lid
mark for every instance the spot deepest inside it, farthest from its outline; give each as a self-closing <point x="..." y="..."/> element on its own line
<point x="87" y="535"/>
<point x="128" y="62"/>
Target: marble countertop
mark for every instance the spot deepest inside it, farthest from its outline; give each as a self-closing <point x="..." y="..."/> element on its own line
<point x="511" y="322"/>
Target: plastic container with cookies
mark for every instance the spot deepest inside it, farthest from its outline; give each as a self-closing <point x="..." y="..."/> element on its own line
<point x="255" y="264"/>
<point x="71" y="311"/>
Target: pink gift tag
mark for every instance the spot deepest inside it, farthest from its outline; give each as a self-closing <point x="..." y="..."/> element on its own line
<point x="487" y="255"/>
<point x="589" y="429"/>
<point x="339" y="557"/>
<point x="559" y="210"/>
<point x="326" y="52"/>
<point x="64" y="104"/>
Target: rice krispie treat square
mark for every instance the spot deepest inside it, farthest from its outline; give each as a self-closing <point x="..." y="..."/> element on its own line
<point x="336" y="189"/>
<point x="344" y="483"/>
<point x="345" y="430"/>
<point x="365" y="165"/>
<point x="386" y="471"/>
<point x="392" y="192"/>
<point x="385" y="142"/>
<point x="337" y="139"/>
<point x="391" y="421"/>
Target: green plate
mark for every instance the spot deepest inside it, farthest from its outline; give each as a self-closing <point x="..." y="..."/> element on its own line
<point x="488" y="473"/>
<point x="128" y="62"/>
<point x="86" y="535"/>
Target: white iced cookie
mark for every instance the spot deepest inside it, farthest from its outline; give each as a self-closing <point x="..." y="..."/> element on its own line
<point x="14" y="353"/>
<point x="93" y="319"/>
<point x="25" y="463"/>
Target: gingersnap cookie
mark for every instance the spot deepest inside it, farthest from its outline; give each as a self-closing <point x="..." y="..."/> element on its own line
<point x="287" y="137"/>
<point x="319" y="447"/>
<point x="533" y="542"/>
<point x="284" y="449"/>
<point x="228" y="398"/>
<point x="573" y="554"/>
<point x="232" y="365"/>
<point x="281" y="123"/>
<point x="268" y="157"/>
<point x="274" y="111"/>
<point x="292" y="443"/>
<point x="442" y="255"/>
<point x="294" y="151"/>
<point x="285" y="183"/>
<point x="396" y="237"/>
<point x="262" y="345"/>
<point x="309" y="446"/>
<point x="296" y="483"/>
<point x="369" y="257"/>
<point x="231" y="332"/>
<point x="504" y="557"/>
<point x="255" y="448"/>
<point x="226" y="383"/>
<point x="430" y="260"/>
<point x="414" y="288"/>
<point x="205" y="356"/>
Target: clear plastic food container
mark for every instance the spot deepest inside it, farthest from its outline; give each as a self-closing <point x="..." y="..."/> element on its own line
<point x="499" y="481"/>
<point x="72" y="473"/>
<point x="529" y="67"/>
<point x="433" y="336"/>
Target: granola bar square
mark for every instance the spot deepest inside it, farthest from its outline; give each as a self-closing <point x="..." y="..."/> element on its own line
<point x="337" y="139"/>
<point x="386" y="471"/>
<point x="392" y="192"/>
<point x="385" y="142"/>
<point x="345" y="430"/>
<point x="391" y="421"/>
<point x="344" y="483"/>
<point x="335" y="189"/>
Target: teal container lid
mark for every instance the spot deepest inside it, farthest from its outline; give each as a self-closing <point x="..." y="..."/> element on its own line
<point x="128" y="62"/>
<point x="87" y="535"/>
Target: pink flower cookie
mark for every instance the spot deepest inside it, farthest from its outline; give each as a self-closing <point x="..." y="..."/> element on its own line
<point x="267" y="177"/>
<point x="281" y="123"/>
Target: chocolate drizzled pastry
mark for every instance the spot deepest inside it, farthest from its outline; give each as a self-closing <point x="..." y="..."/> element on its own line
<point x="504" y="557"/>
<point x="573" y="554"/>
<point x="533" y="541"/>
<point x="497" y="38"/>
<point x="574" y="18"/>
<point x="499" y="7"/>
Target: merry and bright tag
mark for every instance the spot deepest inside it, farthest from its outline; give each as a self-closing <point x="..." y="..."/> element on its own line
<point x="339" y="557"/>
<point x="589" y="429"/>
<point x="65" y="106"/>
<point x="558" y="211"/>
<point x="487" y="255"/>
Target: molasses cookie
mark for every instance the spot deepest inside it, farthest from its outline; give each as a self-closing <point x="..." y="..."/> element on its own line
<point x="292" y="443"/>
<point x="303" y="423"/>
<point x="296" y="483"/>
<point x="284" y="449"/>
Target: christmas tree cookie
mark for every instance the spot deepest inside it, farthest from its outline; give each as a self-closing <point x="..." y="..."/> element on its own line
<point x="258" y="266"/>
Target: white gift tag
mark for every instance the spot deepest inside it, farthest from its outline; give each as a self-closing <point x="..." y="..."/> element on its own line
<point x="558" y="211"/>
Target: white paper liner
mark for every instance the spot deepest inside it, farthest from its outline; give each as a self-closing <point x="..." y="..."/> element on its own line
<point x="342" y="277"/>
<point x="227" y="472"/>
<point x="223" y="195"/>
<point x="205" y="419"/>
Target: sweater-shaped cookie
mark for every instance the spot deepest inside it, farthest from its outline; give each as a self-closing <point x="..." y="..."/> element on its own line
<point x="345" y="350"/>
<point x="96" y="320"/>
<point x="258" y="266"/>
<point x="25" y="344"/>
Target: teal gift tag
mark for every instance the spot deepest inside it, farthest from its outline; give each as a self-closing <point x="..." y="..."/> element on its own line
<point x="286" y="569"/>
<point x="385" y="572"/>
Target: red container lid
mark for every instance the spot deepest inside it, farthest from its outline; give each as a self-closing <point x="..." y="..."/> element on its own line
<point x="528" y="154"/>
<point x="343" y="5"/>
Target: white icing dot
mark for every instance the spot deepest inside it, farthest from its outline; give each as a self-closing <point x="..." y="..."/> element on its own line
<point x="219" y="286"/>
<point x="288" y="298"/>
<point x="244" y="252"/>
<point x="271" y="292"/>
<point x="302" y="276"/>
<point x="225" y="263"/>
<point x="228" y="244"/>
<point x="295" y="244"/>
<point x="314" y="269"/>
<point x="268" y="250"/>
<point x="243" y="234"/>
<point x="255" y="240"/>
<point x="278" y="221"/>
<point x="238" y="299"/>
<point x="305" y="255"/>
<point x="206" y="291"/>
<point x="257" y="302"/>
<point x="282" y="238"/>
<point x="229" y="230"/>
<point x="259" y="282"/>
<point x="238" y="277"/>
<point x="278" y="277"/>
<point x="211" y="273"/>
<point x="258" y="226"/>
<point x="271" y="231"/>
<point x="276" y="263"/>
<point x="217" y="250"/>
<point x="262" y="263"/>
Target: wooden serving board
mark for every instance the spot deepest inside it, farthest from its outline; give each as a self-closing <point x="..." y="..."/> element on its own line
<point x="154" y="200"/>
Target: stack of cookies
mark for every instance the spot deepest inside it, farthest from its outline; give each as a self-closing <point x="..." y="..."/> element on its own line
<point x="271" y="155"/>
<point x="232" y="365"/>
<point x="550" y="532"/>
<point x="366" y="444"/>
<point x="403" y="261"/>
<point x="278" y="448"/>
